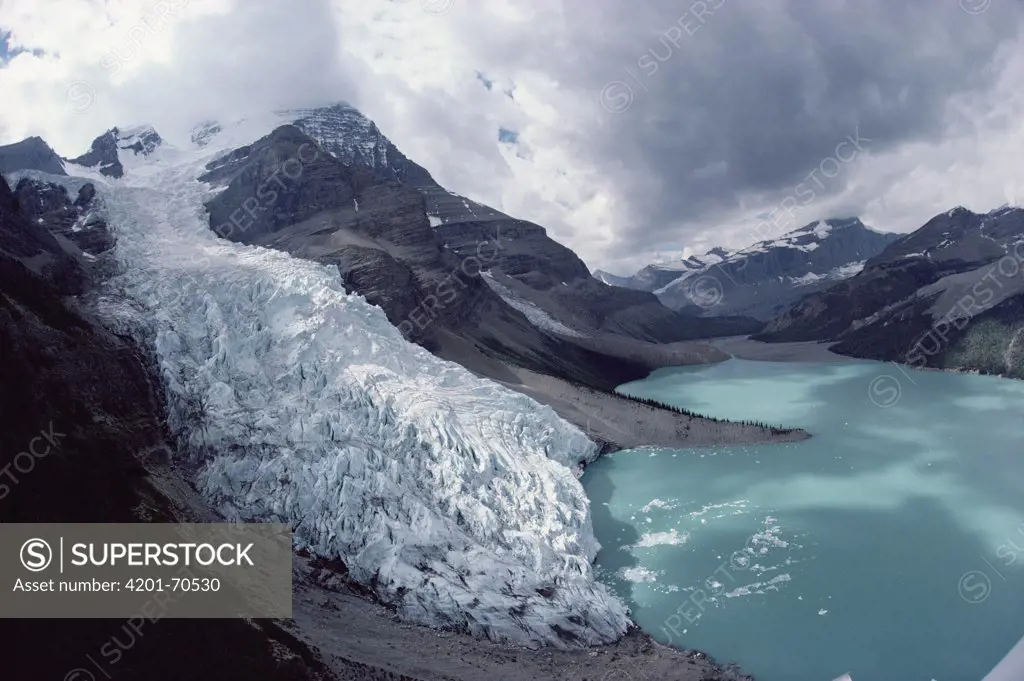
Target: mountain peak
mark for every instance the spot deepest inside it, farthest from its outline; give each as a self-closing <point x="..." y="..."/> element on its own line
<point x="104" y="153"/>
<point x="32" y="153"/>
<point x="345" y="133"/>
<point x="204" y="132"/>
<point x="141" y="139"/>
<point x="959" y="210"/>
<point x="823" y="228"/>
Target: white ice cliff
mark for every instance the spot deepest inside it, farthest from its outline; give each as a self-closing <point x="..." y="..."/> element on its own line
<point x="454" y="498"/>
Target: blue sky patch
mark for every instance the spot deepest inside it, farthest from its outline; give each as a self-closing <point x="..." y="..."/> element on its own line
<point x="507" y="136"/>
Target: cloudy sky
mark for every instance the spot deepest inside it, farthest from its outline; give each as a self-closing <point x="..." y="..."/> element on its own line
<point x="634" y="131"/>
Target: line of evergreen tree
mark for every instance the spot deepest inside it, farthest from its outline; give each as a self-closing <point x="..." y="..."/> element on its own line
<point x="776" y="430"/>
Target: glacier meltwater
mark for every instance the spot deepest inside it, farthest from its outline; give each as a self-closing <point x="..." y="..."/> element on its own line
<point x="889" y="545"/>
<point x="293" y="401"/>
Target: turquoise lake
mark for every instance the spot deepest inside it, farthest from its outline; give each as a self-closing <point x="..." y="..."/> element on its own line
<point x="885" y="546"/>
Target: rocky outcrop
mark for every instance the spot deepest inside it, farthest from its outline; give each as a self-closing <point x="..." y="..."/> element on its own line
<point x="104" y="153"/>
<point x="30" y="154"/>
<point x="28" y="250"/>
<point x="204" y="132"/>
<point x="48" y="205"/>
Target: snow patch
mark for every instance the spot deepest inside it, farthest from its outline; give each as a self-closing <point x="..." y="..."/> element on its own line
<point x="822" y="229"/>
<point x="535" y="315"/>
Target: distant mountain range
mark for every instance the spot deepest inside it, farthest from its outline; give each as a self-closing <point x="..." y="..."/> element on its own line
<point x="948" y="295"/>
<point x="762" y="280"/>
<point x="655" y="276"/>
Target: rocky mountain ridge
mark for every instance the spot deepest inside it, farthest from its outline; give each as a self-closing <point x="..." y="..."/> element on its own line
<point x="763" y="279"/>
<point x="946" y="295"/>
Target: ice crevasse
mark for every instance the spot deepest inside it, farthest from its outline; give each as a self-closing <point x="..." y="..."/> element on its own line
<point x="455" y="498"/>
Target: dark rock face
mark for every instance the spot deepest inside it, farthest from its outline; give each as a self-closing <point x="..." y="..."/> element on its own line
<point x="34" y="250"/>
<point x="264" y="196"/>
<point x="958" y="239"/>
<point x="828" y="314"/>
<point x="529" y="256"/>
<point x="30" y="154"/>
<point x="554" y="278"/>
<point x="105" y="149"/>
<point x="285" y="192"/>
<point x="761" y="281"/>
<point x="91" y="392"/>
<point x="47" y="205"/>
<point x="103" y="153"/>
<point x="945" y="295"/>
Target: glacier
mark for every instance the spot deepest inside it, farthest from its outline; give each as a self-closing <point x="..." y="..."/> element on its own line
<point x="457" y="500"/>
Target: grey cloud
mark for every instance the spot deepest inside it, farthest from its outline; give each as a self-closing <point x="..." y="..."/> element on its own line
<point x="258" y="57"/>
<point x="736" y="115"/>
<point x="759" y="94"/>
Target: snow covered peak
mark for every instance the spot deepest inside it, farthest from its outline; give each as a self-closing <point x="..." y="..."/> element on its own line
<point x="140" y="139"/>
<point x="345" y="133"/>
<point x="712" y="257"/>
<point x="110" y="150"/>
<point x="611" y="279"/>
<point x="771" y="273"/>
<point x="809" y="237"/>
<point x="820" y="229"/>
<point x="203" y="133"/>
<point x="656" y="275"/>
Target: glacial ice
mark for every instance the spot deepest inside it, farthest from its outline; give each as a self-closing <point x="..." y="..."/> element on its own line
<point x="455" y="498"/>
